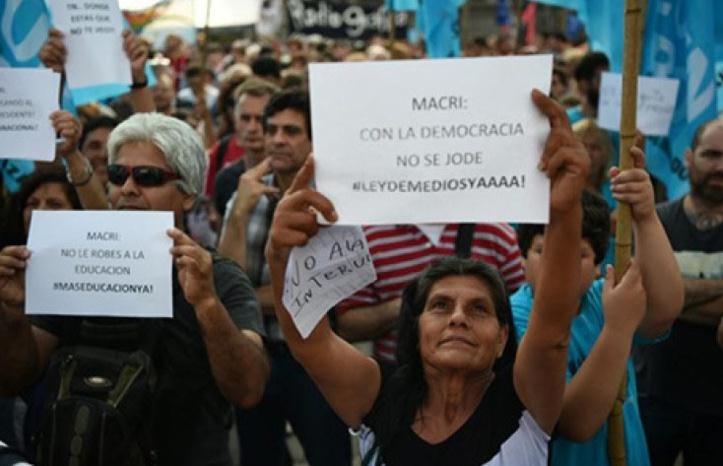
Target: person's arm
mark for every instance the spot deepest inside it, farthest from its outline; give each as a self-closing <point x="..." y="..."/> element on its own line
<point x="232" y="243"/>
<point x="238" y="363"/>
<point x="141" y="97"/>
<point x="703" y="301"/>
<point x="53" y="52"/>
<point x="590" y="394"/>
<point x="206" y="129"/>
<point x="80" y="174"/>
<point x="653" y="253"/>
<point x="540" y="367"/>
<point x="24" y="350"/>
<point x="368" y="322"/>
<point x="265" y="295"/>
<point x="349" y="381"/>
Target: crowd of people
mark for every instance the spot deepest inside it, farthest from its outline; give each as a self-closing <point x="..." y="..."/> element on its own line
<point x="493" y="343"/>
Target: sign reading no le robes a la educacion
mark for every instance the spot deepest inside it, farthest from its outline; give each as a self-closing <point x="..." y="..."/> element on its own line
<point x="431" y="141"/>
<point x="99" y="263"/>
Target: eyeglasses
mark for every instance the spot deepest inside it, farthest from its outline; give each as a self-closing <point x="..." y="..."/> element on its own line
<point x="145" y="176"/>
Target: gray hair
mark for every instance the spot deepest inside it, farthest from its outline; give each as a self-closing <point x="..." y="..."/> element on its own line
<point x="180" y="144"/>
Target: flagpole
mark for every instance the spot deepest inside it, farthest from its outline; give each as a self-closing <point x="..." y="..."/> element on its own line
<point x="634" y="20"/>
<point x="392" y="25"/>
<point x="206" y="35"/>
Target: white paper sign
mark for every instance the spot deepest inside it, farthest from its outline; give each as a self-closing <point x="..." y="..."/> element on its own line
<point x="431" y="141"/>
<point x="93" y="38"/>
<point x="99" y="263"/>
<point x="27" y="98"/>
<point x="656" y="103"/>
<point x="333" y="265"/>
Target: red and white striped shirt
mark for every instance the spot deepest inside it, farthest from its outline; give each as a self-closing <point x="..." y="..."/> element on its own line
<point x="401" y="252"/>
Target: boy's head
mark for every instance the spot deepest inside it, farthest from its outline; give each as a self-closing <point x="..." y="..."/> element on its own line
<point x="595" y="239"/>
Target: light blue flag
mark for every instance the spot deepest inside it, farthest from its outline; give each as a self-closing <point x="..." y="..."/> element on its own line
<point x="569" y="4"/>
<point x="679" y="43"/>
<point x="24" y="25"/>
<point x="401" y="5"/>
<point x="440" y="23"/>
<point x="604" y="24"/>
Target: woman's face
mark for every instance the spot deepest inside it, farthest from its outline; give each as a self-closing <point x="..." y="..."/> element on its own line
<point x="48" y="196"/>
<point x="459" y="328"/>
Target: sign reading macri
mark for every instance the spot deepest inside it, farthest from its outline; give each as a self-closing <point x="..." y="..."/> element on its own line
<point x="103" y="263"/>
<point x="435" y="141"/>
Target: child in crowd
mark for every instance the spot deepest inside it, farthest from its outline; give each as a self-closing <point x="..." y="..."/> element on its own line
<point x="611" y="318"/>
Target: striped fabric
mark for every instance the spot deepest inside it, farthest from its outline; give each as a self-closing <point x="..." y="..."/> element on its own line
<point x="402" y="252"/>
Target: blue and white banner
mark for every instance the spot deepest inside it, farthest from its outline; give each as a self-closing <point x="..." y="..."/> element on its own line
<point x="680" y="43"/>
<point x="439" y="19"/>
<point x="24" y="25"/>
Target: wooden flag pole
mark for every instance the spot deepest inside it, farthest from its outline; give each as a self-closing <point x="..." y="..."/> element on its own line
<point x="634" y="19"/>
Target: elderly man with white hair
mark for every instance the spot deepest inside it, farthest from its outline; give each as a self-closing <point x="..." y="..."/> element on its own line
<point x="208" y="354"/>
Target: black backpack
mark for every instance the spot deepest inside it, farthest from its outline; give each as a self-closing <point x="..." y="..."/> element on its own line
<point x="100" y="391"/>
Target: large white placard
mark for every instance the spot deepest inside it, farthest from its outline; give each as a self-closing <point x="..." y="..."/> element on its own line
<point x="99" y="263"/>
<point x="656" y="103"/>
<point x="431" y="141"/>
<point x="333" y="265"/>
<point x="93" y="38"/>
<point x="27" y="98"/>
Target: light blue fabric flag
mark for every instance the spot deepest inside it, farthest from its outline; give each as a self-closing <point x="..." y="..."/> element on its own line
<point x="401" y="5"/>
<point x="24" y="30"/>
<point x="680" y="43"/>
<point x="440" y="23"/>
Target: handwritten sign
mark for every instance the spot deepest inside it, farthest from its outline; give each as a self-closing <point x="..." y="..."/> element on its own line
<point x="434" y="141"/>
<point x="99" y="263"/>
<point x="93" y="38"/>
<point x="656" y="103"/>
<point x="27" y="98"/>
<point x="333" y="265"/>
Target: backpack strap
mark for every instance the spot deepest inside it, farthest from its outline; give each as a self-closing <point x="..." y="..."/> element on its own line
<point x="463" y="243"/>
<point x="10" y="456"/>
<point x="222" y="149"/>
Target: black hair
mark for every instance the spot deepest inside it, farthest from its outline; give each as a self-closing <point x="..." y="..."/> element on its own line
<point x="595" y="227"/>
<point x="406" y="390"/>
<point x="265" y="66"/>
<point x="29" y="184"/>
<point x="89" y="126"/>
<point x="589" y="64"/>
<point x="296" y="99"/>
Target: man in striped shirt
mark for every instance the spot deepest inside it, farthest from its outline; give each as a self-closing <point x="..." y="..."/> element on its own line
<point x="400" y="253"/>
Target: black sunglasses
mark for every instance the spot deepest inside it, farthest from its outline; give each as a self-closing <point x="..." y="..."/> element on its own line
<point x="142" y="175"/>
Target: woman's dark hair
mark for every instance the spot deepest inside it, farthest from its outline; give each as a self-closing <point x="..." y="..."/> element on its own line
<point x="407" y="388"/>
<point x="29" y="184"/>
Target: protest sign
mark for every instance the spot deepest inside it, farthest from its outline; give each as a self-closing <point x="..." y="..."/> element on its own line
<point x="99" y="263"/>
<point x="334" y="264"/>
<point x="27" y="98"/>
<point x="656" y="103"/>
<point x="93" y="38"/>
<point x="435" y="141"/>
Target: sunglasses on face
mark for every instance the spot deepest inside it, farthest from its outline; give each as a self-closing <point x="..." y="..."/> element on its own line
<point x="144" y="176"/>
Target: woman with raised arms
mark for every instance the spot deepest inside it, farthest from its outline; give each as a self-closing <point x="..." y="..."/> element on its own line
<point x="449" y="402"/>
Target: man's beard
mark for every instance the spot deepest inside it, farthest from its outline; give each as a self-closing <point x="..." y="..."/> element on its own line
<point x="701" y="187"/>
